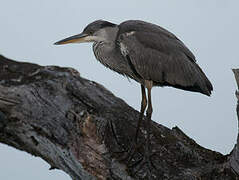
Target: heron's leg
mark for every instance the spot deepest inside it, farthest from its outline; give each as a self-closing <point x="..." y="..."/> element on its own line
<point x="134" y="146"/>
<point x="147" y="154"/>
<point x="146" y="158"/>
<point x="142" y="109"/>
<point x="149" y="85"/>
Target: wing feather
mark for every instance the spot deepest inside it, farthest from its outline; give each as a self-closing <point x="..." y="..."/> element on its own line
<point x="160" y="56"/>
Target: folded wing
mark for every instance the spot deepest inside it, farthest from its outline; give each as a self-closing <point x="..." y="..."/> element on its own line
<point x="158" y="55"/>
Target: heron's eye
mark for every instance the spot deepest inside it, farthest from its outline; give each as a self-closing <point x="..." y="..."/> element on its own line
<point x="90" y="32"/>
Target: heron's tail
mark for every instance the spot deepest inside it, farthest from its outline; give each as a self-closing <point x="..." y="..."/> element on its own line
<point x="203" y="83"/>
<point x="197" y="81"/>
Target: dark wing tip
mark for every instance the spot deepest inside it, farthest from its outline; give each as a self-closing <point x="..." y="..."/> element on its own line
<point x="208" y="89"/>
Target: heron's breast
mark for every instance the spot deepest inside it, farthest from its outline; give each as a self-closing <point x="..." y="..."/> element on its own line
<point x="112" y="58"/>
<point x="103" y="54"/>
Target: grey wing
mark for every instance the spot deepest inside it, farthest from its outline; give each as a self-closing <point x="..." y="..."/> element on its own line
<point x="164" y="60"/>
<point x="162" y="35"/>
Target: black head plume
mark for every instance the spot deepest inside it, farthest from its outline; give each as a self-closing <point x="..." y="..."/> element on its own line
<point x="96" y="25"/>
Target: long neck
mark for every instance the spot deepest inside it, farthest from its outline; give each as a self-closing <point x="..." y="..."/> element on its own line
<point x="107" y="52"/>
<point x="104" y="49"/>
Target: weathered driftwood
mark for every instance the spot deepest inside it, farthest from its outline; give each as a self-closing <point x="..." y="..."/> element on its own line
<point x="78" y="126"/>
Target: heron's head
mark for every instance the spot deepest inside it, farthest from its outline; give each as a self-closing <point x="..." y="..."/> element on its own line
<point x="94" y="32"/>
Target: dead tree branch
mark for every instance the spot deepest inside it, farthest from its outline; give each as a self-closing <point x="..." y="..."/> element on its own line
<point x="78" y="126"/>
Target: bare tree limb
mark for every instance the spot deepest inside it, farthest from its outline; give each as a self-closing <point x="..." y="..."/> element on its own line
<point x="78" y="126"/>
<point x="234" y="156"/>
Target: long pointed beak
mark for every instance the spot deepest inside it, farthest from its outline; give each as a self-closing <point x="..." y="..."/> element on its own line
<point x="74" y="39"/>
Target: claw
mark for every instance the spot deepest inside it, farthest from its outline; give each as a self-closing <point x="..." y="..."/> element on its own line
<point x="129" y="154"/>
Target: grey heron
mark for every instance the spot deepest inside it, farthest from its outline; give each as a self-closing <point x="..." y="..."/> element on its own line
<point x="147" y="53"/>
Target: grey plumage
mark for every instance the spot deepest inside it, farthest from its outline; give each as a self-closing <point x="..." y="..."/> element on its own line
<point x="160" y="56"/>
<point x="147" y="53"/>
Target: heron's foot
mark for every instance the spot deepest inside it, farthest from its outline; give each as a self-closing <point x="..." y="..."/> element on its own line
<point x="139" y="159"/>
<point x="145" y="163"/>
<point x="130" y="153"/>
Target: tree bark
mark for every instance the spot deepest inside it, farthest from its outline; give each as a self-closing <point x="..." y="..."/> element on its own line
<point x="80" y="127"/>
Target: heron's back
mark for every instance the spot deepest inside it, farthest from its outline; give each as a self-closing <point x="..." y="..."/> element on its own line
<point x="158" y="55"/>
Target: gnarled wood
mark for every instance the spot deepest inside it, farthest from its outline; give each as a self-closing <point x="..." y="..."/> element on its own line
<point x="78" y="126"/>
<point x="234" y="156"/>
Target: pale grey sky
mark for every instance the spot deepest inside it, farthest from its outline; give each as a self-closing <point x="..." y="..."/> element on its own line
<point x="209" y="28"/>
